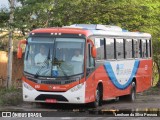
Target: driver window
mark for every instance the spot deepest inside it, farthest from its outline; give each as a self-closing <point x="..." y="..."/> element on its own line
<point x="90" y="59"/>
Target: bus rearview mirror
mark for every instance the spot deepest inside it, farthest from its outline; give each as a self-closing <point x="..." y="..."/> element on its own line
<point x="94" y="52"/>
<point x="19" y="51"/>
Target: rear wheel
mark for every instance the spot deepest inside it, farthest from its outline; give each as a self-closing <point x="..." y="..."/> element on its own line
<point x="132" y="95"/>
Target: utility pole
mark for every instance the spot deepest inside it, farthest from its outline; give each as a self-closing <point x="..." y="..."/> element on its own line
<point x="10" y="43"/>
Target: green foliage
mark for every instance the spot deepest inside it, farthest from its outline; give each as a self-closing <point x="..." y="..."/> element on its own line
<point x="134" y="15"/>
<point x="152" y="91"/>
<point x="4" y="17"/>
<point x="130" y="14"/>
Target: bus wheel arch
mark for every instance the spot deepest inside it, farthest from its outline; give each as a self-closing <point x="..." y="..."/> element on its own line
<point x="134" y="80"/>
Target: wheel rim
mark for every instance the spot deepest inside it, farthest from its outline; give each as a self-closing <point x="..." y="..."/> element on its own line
<point x="133" y="94"/>
<point x="97" y="97"/>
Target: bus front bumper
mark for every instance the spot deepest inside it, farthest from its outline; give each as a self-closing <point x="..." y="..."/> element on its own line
<point x="73" y="95"/>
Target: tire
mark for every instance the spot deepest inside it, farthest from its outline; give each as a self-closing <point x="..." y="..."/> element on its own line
<point x="98" y="98"/>
<point x="132" y="95"/>
<point x="117" y="99"/>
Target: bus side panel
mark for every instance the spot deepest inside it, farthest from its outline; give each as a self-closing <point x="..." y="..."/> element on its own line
<point x="144" y="75"/>
<point x="99" y="76"/>
<point x="90" y="88"/>
<point x="110" y="72"/>
<point x="109" y="89"/>
<point x="143" y="81"/>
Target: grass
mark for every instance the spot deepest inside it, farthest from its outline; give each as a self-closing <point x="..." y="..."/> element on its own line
<point x="12" y="96"/>
<point x="152" y="91"/>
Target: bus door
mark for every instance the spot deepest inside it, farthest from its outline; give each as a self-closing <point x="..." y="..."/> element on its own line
<point x="90" y="61"/>
<point x="90" y="75"/>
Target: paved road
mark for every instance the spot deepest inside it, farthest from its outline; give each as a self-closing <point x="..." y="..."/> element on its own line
<point x="143" y="106"/>
<point x="84" y="118"/>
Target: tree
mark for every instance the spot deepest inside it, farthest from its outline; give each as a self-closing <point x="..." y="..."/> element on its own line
<point x="4" y="17"/>
<point x="33" y="14"/>
<point x="134" y="15"/>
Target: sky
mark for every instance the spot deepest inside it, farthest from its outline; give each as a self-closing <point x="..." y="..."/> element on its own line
<point x="4" y="3"/>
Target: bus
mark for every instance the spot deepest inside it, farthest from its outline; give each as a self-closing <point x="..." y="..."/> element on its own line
<point x="85" y="63"/>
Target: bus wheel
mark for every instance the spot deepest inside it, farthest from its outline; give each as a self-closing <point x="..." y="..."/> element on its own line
<point x="97" y="101"/>
<point x="132" y="95"/>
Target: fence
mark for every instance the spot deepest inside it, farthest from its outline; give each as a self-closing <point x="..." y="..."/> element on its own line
<point x="17" y="69"/>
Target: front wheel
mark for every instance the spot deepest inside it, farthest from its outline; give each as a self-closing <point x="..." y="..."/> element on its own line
<point x="98" y="100"/>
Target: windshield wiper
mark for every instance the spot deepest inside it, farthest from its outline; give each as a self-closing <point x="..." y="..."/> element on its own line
<point x="64" y="73"/>
<point x="46" y="61"/>
<point x="38" y="71"/>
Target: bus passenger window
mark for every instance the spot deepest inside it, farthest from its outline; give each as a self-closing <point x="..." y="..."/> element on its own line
<point x="128" y="48"/>
<point x="99" y="43"/>
<point x="119" y="49"/>
<point x="90" y="59"/>
<point x="149" y="48"/>
<point x="137" y="48"/>
<point x="144" y="53"/>
<point x="110" y="48"/>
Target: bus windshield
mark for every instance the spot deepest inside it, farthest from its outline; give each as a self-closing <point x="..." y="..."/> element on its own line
<point x="54" y="57"/>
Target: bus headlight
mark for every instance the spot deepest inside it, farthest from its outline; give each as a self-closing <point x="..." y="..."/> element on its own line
<point x="77" y="87"/>
<point x="27" y="86"/>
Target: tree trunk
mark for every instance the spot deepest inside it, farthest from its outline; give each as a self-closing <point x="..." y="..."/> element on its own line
<point x="10" y="48"/>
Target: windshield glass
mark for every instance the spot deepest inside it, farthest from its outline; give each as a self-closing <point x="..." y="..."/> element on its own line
<point x="54" y="57"/>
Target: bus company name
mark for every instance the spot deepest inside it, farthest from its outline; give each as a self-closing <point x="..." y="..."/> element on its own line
<point x="51" y="87"/>
<point x="121" y="70"/>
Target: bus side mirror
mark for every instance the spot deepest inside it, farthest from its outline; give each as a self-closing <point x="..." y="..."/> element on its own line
<point x="94" y="52"/>
<point x="93" y="49"/>
<point x="19" y="51"/>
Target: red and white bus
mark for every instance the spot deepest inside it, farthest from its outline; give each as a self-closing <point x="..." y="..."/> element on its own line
<point x="85" y="63"/>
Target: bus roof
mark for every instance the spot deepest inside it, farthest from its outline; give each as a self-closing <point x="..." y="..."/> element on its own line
<point x="93" y="30"/>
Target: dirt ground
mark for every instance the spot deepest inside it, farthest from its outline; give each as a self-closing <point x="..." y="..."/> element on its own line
<point x="146" y="101"/>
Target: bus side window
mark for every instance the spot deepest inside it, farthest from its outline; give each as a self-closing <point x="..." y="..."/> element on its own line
<point x="110" y="48"/>
<point x="137" y="48"/>
<point x="144" y="52"/>
<point x="90" y="59"/>
<point x="119" y="49"/>
<point x="99" y="43"/>
<point x="149" y="48"/>
<point x="128" y="48"/>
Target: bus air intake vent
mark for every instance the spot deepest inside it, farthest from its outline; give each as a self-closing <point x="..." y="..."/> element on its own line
<point x="43" y="97"/>
<point x="57" y="82"/>
<point x="50" y="82"/>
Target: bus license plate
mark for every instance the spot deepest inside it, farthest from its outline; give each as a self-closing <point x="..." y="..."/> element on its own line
<point x="51" y="101"/>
